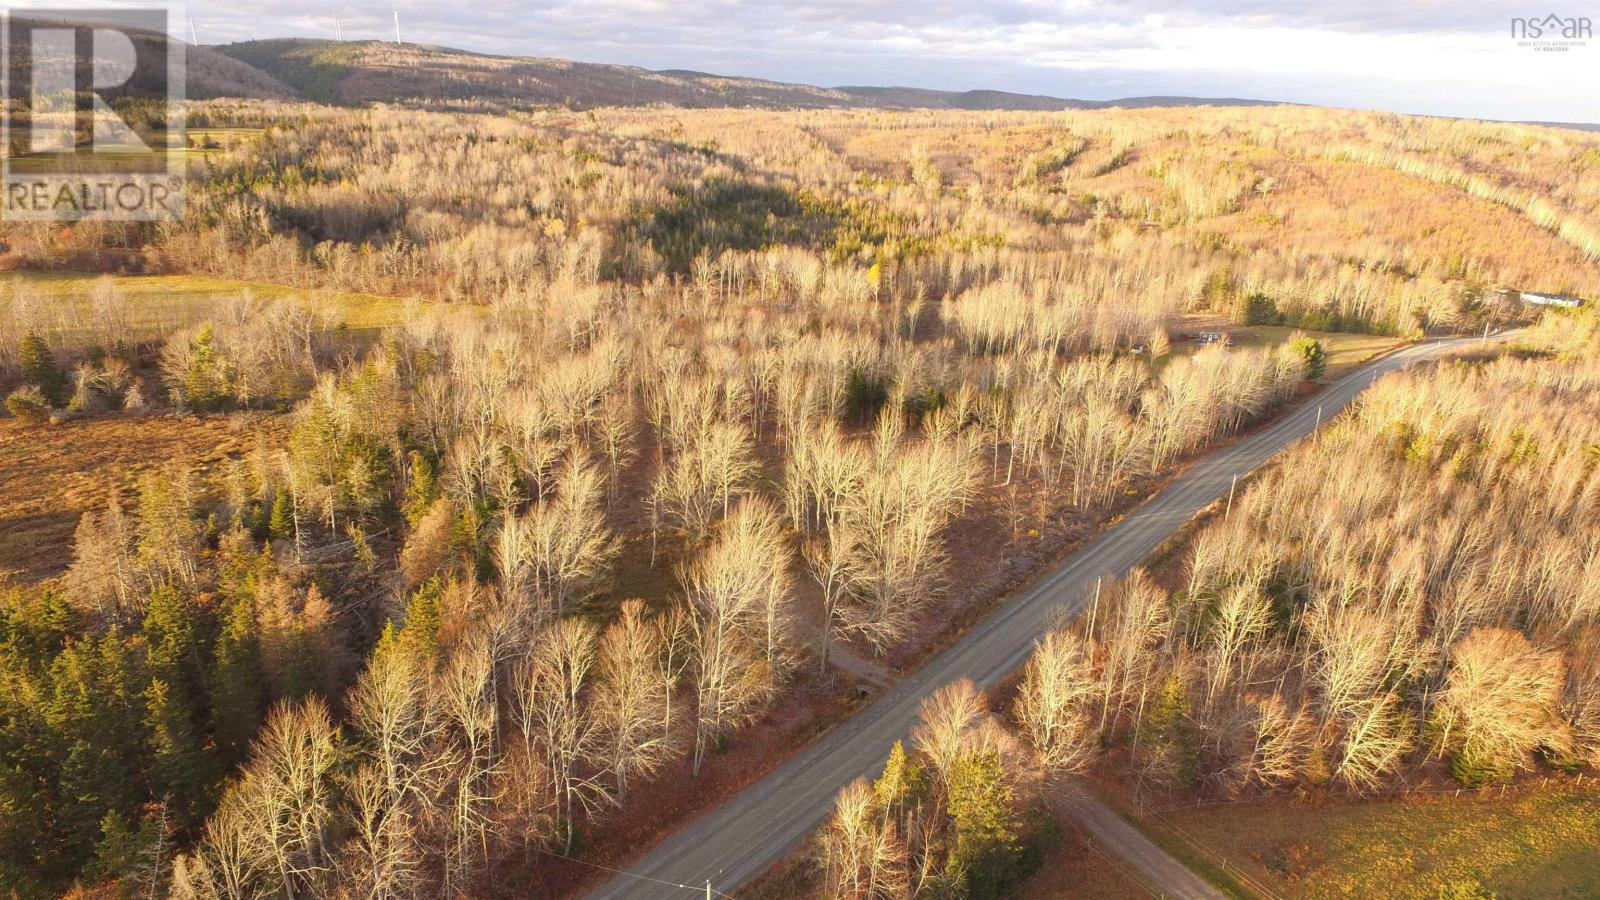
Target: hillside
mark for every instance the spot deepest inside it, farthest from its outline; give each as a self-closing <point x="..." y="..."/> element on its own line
<point x="369" y="71"/>
<point x="378" y="71"/>
<point x="210" y="74"/>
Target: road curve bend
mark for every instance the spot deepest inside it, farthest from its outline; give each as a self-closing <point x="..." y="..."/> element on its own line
<point x="755" y="828"/>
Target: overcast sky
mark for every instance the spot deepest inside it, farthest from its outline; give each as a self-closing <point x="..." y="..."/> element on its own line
<point x="1420" y="56"/>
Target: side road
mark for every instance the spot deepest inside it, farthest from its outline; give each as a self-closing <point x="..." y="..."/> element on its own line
<point x="753" y="830"/>
<point x="1116" y="836"/>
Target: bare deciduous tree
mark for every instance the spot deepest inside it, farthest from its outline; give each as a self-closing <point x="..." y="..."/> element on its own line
<point x="1500" y="701"/>
<point x="631" y="700"/>
<point x="1053" y="702"/>
<point x="862" y="857"/>
<point x="553" y="708"/>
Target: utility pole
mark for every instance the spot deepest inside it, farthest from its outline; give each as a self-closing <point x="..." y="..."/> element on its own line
<point x="708" y="889"/>
<point x="1094" y="609"/>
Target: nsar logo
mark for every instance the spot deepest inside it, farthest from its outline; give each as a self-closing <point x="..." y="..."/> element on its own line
<point x="1553" y="32"/>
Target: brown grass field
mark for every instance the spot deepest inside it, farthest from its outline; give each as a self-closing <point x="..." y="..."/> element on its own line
<point x="51" y="475"/>
<point x="1534" y="844"/>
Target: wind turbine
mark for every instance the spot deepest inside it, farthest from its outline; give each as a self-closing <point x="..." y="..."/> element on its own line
<point x="396" y="25"/>
<point x="338" y="29"/>
<point x="193" y="41"/>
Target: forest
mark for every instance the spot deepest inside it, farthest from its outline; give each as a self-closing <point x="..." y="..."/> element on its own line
<point x="683" y="427"/>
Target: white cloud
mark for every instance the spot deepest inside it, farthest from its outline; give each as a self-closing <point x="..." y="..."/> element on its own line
<point x="1426" y="56"/>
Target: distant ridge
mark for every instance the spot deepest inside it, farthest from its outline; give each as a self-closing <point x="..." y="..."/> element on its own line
<point x="924" y="98"/>
<point x="360" y="72"/>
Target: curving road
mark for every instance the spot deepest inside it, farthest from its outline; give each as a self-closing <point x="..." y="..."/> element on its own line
<point x="753" y="830"/>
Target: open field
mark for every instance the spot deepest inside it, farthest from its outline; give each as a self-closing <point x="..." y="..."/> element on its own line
<point x="199" y="144"/>
<point x="1344" y="350"/>
<point x="1535" y="844"/>
<point x="156" y="304"/>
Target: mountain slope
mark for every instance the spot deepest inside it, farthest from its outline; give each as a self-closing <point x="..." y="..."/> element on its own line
<point x="379" y="71"/>
<point x="376" y="71"/>
<point x="211" y="74"/>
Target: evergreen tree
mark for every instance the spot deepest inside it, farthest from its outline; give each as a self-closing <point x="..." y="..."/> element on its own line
<point x="1168" y="744"/>
<point x="172" y="631"/>
<point x="422" y="487"/>
<point x="39" y="369"/>
<point x="236" y="681"/>
<point x="28" y="404"/>
<point x="1256" y="309"/>
<point x="281" y="524"/>
<point x="35" y="626"/>
<point x="260" y="520"/>
<point x="91" y="783"/>
<point x="24" y="818"/>
<point x="205" y="383"/>
<point x="982" y="811"/>
<point x="95" y="713"/>
<point x="424" y="613"/>
<point x="123" y="851"/>
<point x="1316" y="359"/>
<point x="174" y="637"/>
<point x="179" y="768"/>
<point x="901" y="781"/>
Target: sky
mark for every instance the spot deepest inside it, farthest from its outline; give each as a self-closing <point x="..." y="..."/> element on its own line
<point x="1416" y="56"/>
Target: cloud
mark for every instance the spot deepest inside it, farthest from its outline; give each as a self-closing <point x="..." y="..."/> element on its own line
<point x="1406" y="55"/>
